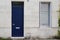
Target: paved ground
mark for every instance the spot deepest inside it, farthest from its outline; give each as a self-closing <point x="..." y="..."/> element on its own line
<point x="29" y="38"/>
<point x="36" y="39"/>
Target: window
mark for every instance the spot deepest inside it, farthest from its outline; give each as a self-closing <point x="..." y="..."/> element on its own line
<point x="44" y="13"/>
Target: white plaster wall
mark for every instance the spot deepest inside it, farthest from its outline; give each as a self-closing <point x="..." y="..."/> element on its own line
<point x="31" y="14"/>
<point x="32" y="11"/>
<point x="54" y="11"/>
<point x="31" y="18"/>
<point x="5" y="18"/>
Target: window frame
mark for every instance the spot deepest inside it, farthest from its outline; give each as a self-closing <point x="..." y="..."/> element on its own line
<point x="49" y="14"/>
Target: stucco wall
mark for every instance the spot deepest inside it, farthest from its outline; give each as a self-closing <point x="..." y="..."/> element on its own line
<point x="32" y="26"/>
<point x="31" y="18"/>
<point x="5" y="18"/>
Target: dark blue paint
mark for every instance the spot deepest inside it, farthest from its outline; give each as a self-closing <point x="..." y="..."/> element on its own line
<point x="17" y="19"/>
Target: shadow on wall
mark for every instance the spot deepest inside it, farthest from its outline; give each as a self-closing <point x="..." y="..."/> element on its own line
<point x="1" y="38"/>
<point x="59" y="22"/>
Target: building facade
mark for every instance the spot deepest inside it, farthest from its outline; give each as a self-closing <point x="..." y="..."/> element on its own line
<point x="39" y="18"/>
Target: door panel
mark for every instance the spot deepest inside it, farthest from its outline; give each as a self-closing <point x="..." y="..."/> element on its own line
<point x="17" y="19"/>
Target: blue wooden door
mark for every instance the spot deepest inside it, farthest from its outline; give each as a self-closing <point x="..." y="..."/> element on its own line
<point x="17" y="19"/>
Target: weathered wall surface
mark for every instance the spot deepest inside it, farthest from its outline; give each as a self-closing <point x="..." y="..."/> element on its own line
<point x="5" y="18"/>
<point x="31" y="18"/>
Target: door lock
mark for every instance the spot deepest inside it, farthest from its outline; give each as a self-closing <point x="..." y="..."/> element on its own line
<point x="13" y="24"/>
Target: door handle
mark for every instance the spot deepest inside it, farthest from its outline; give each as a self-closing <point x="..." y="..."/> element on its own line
<point x="17" y="27"/>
